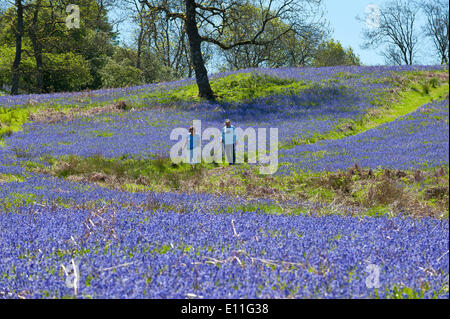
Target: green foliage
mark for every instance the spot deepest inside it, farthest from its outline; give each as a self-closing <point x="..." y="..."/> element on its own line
<point x="284" y="47"/>
<point x="66" y="72"/>
<point x="120" y="74"/>
<point x="434" y="82"/>
<point x="16" y="200"/>
<point x="401" y="292"/>
<point x="74" y="59"/>
<point x="242" y="87"/>
<point x="5" y="64"/>
<point x="62" y="72"/>
<point x="332" y="53"/>
<point x="426" y="86"/>
<point x="157" y="173"/>
<point x="10" y="178"/>
<point x="71" y="57"/>
<point x="27" y="68"/>
<point x="154" y="71"/>
<point x="260" y="208"/>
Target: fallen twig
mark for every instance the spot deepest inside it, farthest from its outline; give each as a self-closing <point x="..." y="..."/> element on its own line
<point x="234" y="229"/>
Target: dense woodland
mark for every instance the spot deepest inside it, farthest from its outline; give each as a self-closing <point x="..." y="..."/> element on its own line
<point x="180" y="38"/>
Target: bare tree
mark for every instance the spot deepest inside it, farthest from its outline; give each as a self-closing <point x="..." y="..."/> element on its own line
<point x="104" y="7"/>
<point x="437" y="26"/>
<point x="396" y="31"/>
<point x="205" y="21"/>
<point x="138" y="12"/>
<point x="167" y="39"/>
<point x="161" y="39"/>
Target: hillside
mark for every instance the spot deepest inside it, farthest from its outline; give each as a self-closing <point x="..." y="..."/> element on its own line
<point x="362" y="179"/>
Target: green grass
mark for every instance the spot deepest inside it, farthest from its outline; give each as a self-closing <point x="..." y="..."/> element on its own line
<point x="14" y="201"/>
<point x="378" y="192"/>
<point x="11" y="120"/>
<point x="158" y="174"/>
<point x="403" y="292"/>
<point x="6" y="178"/>
<point x="234" y="88"/>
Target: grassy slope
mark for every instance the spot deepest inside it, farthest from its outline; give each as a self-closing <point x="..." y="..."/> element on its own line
<point x="241" y="87"/>
<point x="233" y="88"/>
<point x="349" y="188"/>
<point x="408" y="101"/>
<point x="375" y="192"/>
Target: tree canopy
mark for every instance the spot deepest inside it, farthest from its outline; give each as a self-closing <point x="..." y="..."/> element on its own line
<point x="174" y="39"/>
<point x="331" y="53"/>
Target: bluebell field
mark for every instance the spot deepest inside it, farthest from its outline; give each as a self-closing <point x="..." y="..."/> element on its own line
<point x="176" y="245"/>
<point x="417" y="140"/>
<point x="132" y="253"/>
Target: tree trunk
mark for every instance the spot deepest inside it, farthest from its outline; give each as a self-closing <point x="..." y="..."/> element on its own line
<point x="139" y="48"/>
<point x="16" y="64"/>
<point x="186" y="54"/>
<point x="37" y="49"/>
<point x="195" y="42"/>
<point x="140" y="37"/>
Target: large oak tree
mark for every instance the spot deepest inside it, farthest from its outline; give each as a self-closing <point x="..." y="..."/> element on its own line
<point x="207" y="21"/>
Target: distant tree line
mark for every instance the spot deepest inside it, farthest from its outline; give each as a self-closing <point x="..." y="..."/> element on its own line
<point x="173" y="39"/>
<point x="38" y="53"/>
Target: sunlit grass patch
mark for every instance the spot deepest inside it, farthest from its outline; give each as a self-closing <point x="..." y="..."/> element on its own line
<point x="99" y="133"/>
<point x="318" y="154"/>
<point x="400" y="291"/>
<point x="6" y="178"/>
<point x="11" y="203"/>
<point x="233" y="88"/>
<point x="11" y="120"/>
<point x="158" y="174"/>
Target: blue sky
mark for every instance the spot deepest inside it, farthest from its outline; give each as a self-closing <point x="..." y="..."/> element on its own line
<point x="347" y="29"/>
<point x="342" y="14"/>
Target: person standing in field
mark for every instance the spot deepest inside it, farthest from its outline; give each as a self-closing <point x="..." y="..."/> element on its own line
<point x="229" y="142"/>
<point x="193" y="146"/>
